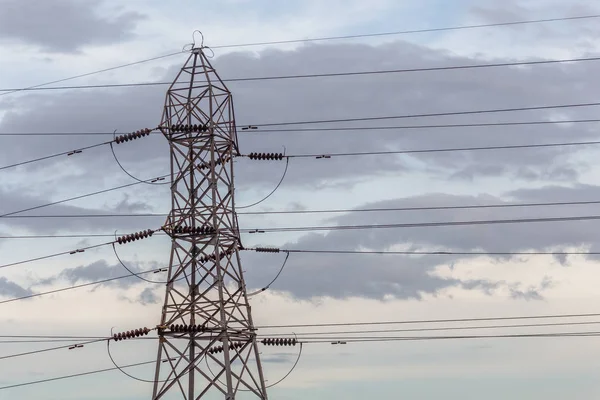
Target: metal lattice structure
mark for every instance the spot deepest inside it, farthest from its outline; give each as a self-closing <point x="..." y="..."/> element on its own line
<point x="207" y="338"/>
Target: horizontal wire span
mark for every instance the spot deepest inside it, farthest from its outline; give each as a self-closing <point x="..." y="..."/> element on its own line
<point x="330" y="211"/>
<point x="353" y="227"/>
<point x="433" y="321"/>
<point x="316" y="341"/>
<point x="317" y="39"/>
<point x="346" y="154"/>
<point x="351" y="128"/>
<point x="324" y="75"/>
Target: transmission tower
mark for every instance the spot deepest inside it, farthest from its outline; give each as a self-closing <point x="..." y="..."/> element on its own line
<point x="207" y="338"/>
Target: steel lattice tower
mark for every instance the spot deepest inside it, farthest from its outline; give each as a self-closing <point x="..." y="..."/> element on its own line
<point x="206" y="315"/>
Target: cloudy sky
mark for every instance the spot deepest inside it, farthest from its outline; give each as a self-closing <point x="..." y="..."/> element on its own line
<point x="43" y="41"/>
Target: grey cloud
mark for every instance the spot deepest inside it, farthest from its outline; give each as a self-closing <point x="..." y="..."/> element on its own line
<point x="148" y="296"/>
<point x="11" y="289"/>
<point x="96" y="271"/>
<point x="342" y="97"/>
<point x="64" y="25"/>
<point x="279" y="358"/>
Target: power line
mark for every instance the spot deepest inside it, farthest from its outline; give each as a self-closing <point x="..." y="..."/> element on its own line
<point x="39" y="86"/>
<point x="99" y="282"/>
<point x="444" y="328"/>
<point x="443" y="252"/>
<point x="74" y="198"/>
<point x="54" y="255"/>
<point x="432" y="321"/>
<point x="328" y="211"/>
<point x="365" y="153"/>
<point x="353" y="227"/>
<point x="329" y="38"/>
<point x="427" y="338"/>
<point x="322" y="75"/>
<point x="413" y="31"/>
<point x="363" y="128"/>
<point x="401" y="127"/>
<point x="453" y="149"/>
<point x="420" y="224"/>
<point x="537" y="335"/>
<point x="426" y="115"/>
<point x="70" y="152"/>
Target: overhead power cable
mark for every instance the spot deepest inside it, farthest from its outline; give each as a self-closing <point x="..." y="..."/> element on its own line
<point x="354" y="227"/>
<point x="445" y="252"/>
<point x="420" y="224"/>
<point x="316" y="341"/>
<point x="76" y="198"/>
<point x="41" y="85"/>
<point x="413" y="31"/>
<point x="323" y="75"/>
<point x="446" y="150"/>
<point x="346" y="154"/>
<point x="433" y="321"/>
<point x="435" y="329"/>
<point x="345" y="340"/>
<point x="436" y="114"/>
<point x="330" y="211"/>
<point x="350" y="128"/>
<point x="318" y="39"/>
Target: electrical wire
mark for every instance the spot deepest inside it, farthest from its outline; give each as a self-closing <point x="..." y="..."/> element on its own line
<point x="420" y="224"/>
<point x="447" y="253"/>
<point x="428" y="338"/>
<point x="76" y="375"/>
<point x="318" y="39"/>
<point x="446" y="150"/>
<point x="351" y="128"/>
<point x="71" y="152"/>
<point x="332" y="211"/>
<point x="51" y="349"/>
<point x="287" y="163"/>
<point x="273" y="280"/>
<point x="434" y="126"/>
<point x="433" y="321"/>
<point x="54" y="255"/>
<point x="134" y="377"/>
<point x="445" y="328"/>
<point x="436" y="114"/>
<point x="356" y="227"/>
<point x="74" y="198"/>
<point x="405" y="32"/>
<point x="39" y="86"/>
<point x="555" y="335"/>
<point x="326" y="75"/>
<point x="268" y="386"/>
<point x="147" y="182"/>
<point x="30" y="296"/>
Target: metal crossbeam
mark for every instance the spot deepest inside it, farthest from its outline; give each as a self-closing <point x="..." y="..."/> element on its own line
<point x="206" y="331"/>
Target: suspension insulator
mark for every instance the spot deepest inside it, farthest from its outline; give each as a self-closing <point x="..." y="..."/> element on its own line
<point x="130" y="334"/>
<point x="135" y="236"/>
<point x="188" y="128"/>
<point x="279" y="341"/>
<point x="266" y="250"/>
<point x="265" y="156"/>
<point x="132" y="136"/>
<point x="219" y="161"/>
